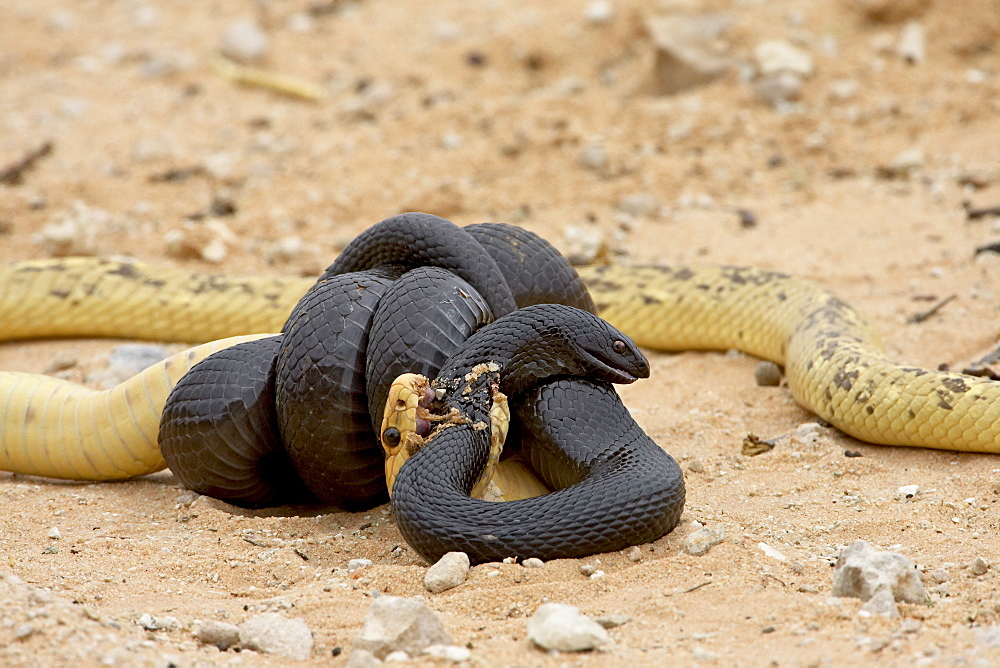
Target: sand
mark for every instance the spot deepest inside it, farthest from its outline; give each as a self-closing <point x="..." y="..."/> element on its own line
<point x="535" y="114"/>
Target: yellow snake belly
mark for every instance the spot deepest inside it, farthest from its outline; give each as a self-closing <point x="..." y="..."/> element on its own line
<point x="834" y="362"/>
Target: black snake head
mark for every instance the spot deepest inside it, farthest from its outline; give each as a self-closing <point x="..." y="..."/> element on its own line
<point x="549" y="340"/>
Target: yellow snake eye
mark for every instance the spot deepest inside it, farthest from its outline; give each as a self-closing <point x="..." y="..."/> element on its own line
<point x="619" y="346"/>
<point x="390" y="437"/>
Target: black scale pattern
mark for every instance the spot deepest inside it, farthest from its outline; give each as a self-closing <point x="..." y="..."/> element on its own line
<point x="218" y="431"/>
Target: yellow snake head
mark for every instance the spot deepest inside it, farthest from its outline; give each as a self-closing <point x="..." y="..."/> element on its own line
<point x="408" y="423"/>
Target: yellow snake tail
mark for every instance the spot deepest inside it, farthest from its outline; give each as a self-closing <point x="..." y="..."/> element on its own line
<point x="80" y="297"/>
<point x="59" y="429"/>
<point x="834" y="361"/>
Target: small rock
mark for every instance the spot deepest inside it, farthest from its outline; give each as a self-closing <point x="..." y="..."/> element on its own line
<point x="599" y="12"/>
<point x="861" y="571"/>
<point x="286" y="249"/>
<point x="634" y="554"/>
<point x="207" y="241"/>
<point x="696" y="466"/>
<point x="776" y="56"/>
<point x="912" y="43"/>
<point x="395" y="623"/>
<point x="640" y="205"/>
<point x="989" y="636"/>
<point x="452" y="653"/>
<point x="151" y="623"/>
<point x="939" y="575"/>
<point x="910" y="626"/>
<point x="593" y="156"/>
<point x="841" y="90"/>
<point x="24" y="630"/>
<point x="54" y="533"/>
<point x="355" y="564"/>
<point x="767" y="374"/>
<point x="399" y="656"/>
<point x="75" y="232"/>
<point x="908" y="491"/>
<point x="980" y="566"/>
<point x="450" y="571"/>
<point x="135" y="357"/>
<point x="613" y="621"/>
<point x="771" y="552"/>
<point x="881" y="603"/>
<point x="905" y="163"/>
<point x="244" y="41"/>
<point x="533" y="562"/>
<point x="361" y="658"/>
<point x="776" y="89"/>
<point x="272" y="633"/>
<point x="556" y="626"/>
<point x="685" y="56"/>
<point x="704" y="539"/>
<point x="587" y="569"/>
<point x="220" y="634"/>
<point x="584" y="244"/>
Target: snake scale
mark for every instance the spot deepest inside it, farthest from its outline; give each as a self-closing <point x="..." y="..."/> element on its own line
<point x="834" y="361"/>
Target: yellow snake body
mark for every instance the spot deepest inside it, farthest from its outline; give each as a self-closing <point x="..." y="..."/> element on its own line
<point x="834" y="361"/>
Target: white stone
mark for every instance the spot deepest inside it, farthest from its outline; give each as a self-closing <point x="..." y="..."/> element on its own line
<point x="912" y="43"/>
<point x="275" y="634"/>
<point x="557" y="626"/>
<point x="450" y="571"/>
<point x="452" y="653"/>
<point x="533" y="562"/>
<point x="701" y="541"/>
<point x="54" y="533"/>
<point x="399" y="624"/>
<point x="862" y="570"/>
<point x="599" y="12"/>
<point x="244" y="41"/>
<point x="776" y="56"/>
<point x="908" y="491"/>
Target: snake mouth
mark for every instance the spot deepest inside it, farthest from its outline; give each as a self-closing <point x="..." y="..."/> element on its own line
<point x="605" y="370"/>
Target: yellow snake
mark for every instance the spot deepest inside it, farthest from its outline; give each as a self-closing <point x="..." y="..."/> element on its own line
<point x="834" y="362"/>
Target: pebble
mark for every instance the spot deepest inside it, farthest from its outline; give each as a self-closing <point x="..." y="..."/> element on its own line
<point x="767" y="374"/>
<point x="75" y="232"/>
<point x="594" y="156"/>
<point x="640" y="205"/>
<point x="220" y="634"/>
<point x="613" y="621"/>
<point x="125" y="361"/>
<point x="275" y="634"/>
<point x="777" y="56"/>
<point x="912" y="46"/>
<point x="54" y="533"/>
<point x="450" y="571"/>
<point x="881" y="603"/>
<point x="777" y="89"/>
<point x="399" y="656"/>
<point x="696" y="466"/>
<point x="906" y="162"/>
<point x="533" y="562"/>
<point x="699" y="542"/>
<point x="244" y="41"/>
<point x="208" y="240"/>
<point x="634" y="554"/>
<point x="907" y="492"/>
<point x="584" y="244"/>
<point x="685" y="53"/>
<point x="939" y="575"/>
<point x="151" y="623"/>
<point x="862" y="571"/>
<point x="599" y="12"/>
<point x="979" y="566"/>
<point x="399" y="624"/>
<point x="587" y="569"/>
<point x="355" y="564"/>
<point x="452" y="653"/>
<point x="557" y="626"/>
<point x="361" y="658"/>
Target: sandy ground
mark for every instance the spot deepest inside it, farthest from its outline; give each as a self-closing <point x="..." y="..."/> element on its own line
<point x="481" y="111"/>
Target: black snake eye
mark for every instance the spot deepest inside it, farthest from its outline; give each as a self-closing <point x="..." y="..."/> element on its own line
<point x="619" y="346"/>
<point x="390" y="437"/>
